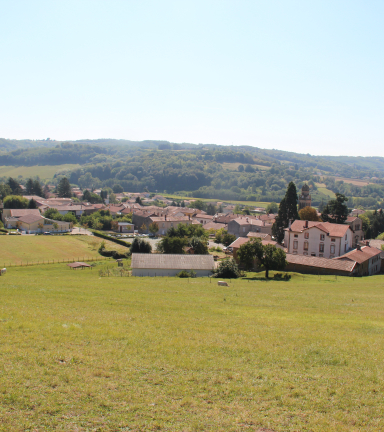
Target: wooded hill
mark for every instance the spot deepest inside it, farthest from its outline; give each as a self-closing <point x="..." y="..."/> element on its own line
<point x="202" y="170"/>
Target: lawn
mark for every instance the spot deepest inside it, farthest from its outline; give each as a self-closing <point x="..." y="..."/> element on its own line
<point x="26" y="248"/>
<point x="43" y="171"/>
<point x="80" y="352"/>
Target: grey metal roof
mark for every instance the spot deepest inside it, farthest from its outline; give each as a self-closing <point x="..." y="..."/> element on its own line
<point x="172" y="261"/>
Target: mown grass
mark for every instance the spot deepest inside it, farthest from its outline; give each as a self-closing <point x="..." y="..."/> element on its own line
<point x="81" y="353"/>
<point x="43" y="171"/>
<point x="32" y="249"/>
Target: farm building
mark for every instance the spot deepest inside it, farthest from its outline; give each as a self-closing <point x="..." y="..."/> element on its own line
<point x="171" y="265"/>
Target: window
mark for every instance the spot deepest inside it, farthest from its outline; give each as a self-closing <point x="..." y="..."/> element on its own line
<point x="306" y="245"/>
<point x="163" y="225"/>
<point x="333" y="240"/>
<point x="322" y="237"/>
<point x="321" y="247"/>
<point x="332" y="249"/>
<point x="313" y="254"/>
<point x="321" y="255"/>
<point x="331" y="256"/>
<point x="345" y="247"/>
<point x="306" y="235"/>
<point x="294" y="253"/>
<point x="305" y="253"/>
<point x="296" y="235"/>
<point x="357" y="227"/>
<point x="346" y="236"/>
<point x="295" y="243"/>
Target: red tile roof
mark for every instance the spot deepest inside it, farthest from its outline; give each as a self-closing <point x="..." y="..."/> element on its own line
<point x="360" y="256"/>
<point x="30" y="218"/>
<point x="334" y="230"/>
<point x="24" y="212"/>
<point x="321" y="263"/>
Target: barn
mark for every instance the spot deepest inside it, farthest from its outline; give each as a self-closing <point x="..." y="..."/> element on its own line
<point x="171" y="264"/>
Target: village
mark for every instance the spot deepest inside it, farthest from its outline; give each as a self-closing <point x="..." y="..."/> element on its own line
<point x="310" y="246"/>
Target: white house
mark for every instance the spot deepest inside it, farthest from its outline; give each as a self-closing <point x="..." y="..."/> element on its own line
<point x="321" y="239"/>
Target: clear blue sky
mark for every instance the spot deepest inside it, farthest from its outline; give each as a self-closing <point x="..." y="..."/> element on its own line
<point x="304" y="76"/>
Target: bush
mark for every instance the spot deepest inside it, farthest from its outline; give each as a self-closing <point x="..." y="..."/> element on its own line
<point x="186" y="274"/>
<point x="107" y="237"/>
<point x="227" y="269"/>
<point x="140" y="246"/>
<point x="280" y="276"/>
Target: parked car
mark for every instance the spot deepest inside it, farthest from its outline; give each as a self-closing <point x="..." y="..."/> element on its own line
<point x="47" y="233"/>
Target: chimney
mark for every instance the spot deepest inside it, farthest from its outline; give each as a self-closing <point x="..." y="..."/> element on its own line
<point x="358" y="247"/>
<point x="165" y="217"/>
<point x="246" y="219"/>
<point x="189" y="217"/>
<point x="306" y="224"/>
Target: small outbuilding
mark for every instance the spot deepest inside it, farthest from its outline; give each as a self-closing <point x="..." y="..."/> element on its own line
<point x="171" y="264"/>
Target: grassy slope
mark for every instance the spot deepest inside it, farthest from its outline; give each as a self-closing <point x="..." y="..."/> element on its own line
<point x="16" y="249"/>
<point x="43" y="171"/>
<point x="80" y="352"/>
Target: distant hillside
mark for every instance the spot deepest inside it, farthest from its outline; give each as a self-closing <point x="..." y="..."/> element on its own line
<point x="242" y="173"/>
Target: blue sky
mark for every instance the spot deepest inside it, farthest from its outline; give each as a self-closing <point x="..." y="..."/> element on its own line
<point x="304" y="76"/>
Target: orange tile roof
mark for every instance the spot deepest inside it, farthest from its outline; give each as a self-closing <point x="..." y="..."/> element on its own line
<point x="360" y="256"/>
<point x="334" y="230"/>
<point x="321" y="263"/>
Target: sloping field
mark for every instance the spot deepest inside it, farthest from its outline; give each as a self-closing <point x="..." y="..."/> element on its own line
<point x="43" y="171"/>
<point x="80" y="352"/>
<point x="22" y="249"/>
<point x="232" y="166"/>
<point x="355" y="182"/>
<point x="326" y="192"/>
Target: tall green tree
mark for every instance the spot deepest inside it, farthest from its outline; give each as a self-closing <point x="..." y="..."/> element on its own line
<point x="287" y="212"/>
<point x="15" y="186"/>
<point x="15" y="202"/>
<point x="270" y="257"/>
<point x="29" y="187"/>
<point x="38" y="190"/>
<point x="64" y="188"/>
<point x="336" y="211"/>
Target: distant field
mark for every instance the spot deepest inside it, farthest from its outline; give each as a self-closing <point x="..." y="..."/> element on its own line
<point x="248" y="203"/>
<point x="326" y="192"/>
<point x="233" y="166"/>
<point x="43" y="171"/>
<point x="17" y="249"/>
<point x="80" y="352"/>
<point x="355" y="182"/>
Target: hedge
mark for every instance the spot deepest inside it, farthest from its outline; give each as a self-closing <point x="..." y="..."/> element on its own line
<point x="107" y="237"/>
<point x="3" y="230"/>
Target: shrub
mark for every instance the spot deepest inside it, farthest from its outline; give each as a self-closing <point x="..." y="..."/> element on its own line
<point x="107" y="237"/>
<point x="140" y="246"/>
<point x="186" y="274"/>
<point x="227" y="269"/>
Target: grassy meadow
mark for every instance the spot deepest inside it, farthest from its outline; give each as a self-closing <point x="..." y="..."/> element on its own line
<point x="15" y="250"/>
<point x="80" y="352"/>
<point x="43" y="171"/>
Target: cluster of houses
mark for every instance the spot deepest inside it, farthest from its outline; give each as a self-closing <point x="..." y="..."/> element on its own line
<point x="311" y="247"/>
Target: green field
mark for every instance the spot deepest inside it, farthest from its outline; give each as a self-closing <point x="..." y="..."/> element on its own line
<point x="327" y="192"/>
<point x="32" y="249"/>
<point x="247" y="203"/>
<point x="80" y="352"/>
<point x="43" y="171"/>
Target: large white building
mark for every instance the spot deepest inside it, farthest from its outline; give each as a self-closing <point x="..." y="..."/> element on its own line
<point x="320" y="239"/>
